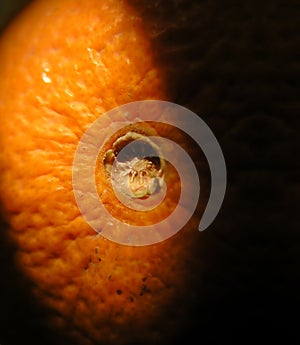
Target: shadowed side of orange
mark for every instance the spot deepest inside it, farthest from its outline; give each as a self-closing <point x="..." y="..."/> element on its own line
<point x="63" y="64"/>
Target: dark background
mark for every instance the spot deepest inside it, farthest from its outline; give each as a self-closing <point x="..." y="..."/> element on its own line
<point x="242" y="77"/>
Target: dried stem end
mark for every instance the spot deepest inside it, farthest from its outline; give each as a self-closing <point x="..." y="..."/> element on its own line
<point x="136" y="172"/>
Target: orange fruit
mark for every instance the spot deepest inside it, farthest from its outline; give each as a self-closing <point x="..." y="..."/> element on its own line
<point x="63" y="64"/>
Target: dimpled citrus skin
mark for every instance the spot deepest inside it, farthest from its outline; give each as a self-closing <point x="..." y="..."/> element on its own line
<point x="63" y="64"/>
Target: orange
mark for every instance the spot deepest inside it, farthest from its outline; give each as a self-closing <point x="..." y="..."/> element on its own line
<point x="63" y="64"/>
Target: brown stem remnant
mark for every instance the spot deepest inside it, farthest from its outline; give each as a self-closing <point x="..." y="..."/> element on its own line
<point x="136" y="171"/>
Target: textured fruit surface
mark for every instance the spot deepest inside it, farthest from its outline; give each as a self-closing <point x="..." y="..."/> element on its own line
<point x="63" y="64"/>
<point x="234" y="63"/>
